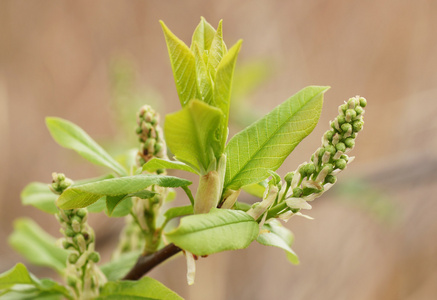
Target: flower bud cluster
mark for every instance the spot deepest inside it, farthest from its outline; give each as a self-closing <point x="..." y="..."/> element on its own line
<point x="150" y="135"/>
<point x="82" y="275"/>
<point x="311" y="179"/>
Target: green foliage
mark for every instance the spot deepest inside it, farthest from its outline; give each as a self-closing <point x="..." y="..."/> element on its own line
<point x="73" y="137"/>
<point x="40" y="196"/>
<point x="217" y="231"/>
<point x="36" y="245"/>
<point x="145" y="288"/>
<point x="158" y="163"/>
<point x="83" y="195"/>
<point x="18" y="283"/>
<point x="191" y="134"/>
<point x="117" y="268"/>
<point x="264" y="145"/>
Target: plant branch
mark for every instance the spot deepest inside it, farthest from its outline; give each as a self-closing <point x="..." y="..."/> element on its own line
<point x="146" y="263"/>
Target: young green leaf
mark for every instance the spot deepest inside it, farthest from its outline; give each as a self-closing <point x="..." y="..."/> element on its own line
<point x="40" y="196"/>
<point x="204" y="81"/>
<point x="36" y="288"/>
<point x="37" y="246"/>
<point x="79" y="196"/>
<point x="216" y="52"/>
<point x="178" y="212"/>
<point x="274" y="234"/>
<point x="265" y="144"/>
<point x="160" y="163"/>
<point x="223" y="84"/>
<point x="203" y="36"/>
<point x="183" y="66"/>
<point x="217" y="231"/>
<point x="118" y="268"/>
<point x="191" y="134"/>
<point x="256" y="189"/>
<point x="146" y="288"/>
<point x="73" y="137"/>
<point x="113" y="201"/>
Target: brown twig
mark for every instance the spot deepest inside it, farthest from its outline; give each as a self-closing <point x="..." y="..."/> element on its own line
<point x="146" y="263"/>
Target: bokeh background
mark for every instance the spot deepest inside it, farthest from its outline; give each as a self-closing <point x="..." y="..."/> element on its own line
<point x="374" y="235"/>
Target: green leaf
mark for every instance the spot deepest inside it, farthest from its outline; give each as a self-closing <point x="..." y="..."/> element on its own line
<point x="21" y="284"/>
<point x="118" y="268"/>
<point x="274" y="234"/>
<point x="217" y="231"/>
<point x="17" y="275"/>
<point x="83" y="195"/>
<point x="37" y="246"/>
<point x="40" y="196"/>
<point x="160" y="163"/>
<point x="203" y="35"/>
<point x="73" y="137"/>
<point x="191" y="134"/>
<point x="178" y="211"/>
<point x="216" y="52"/>
<point x="204" y="80"/>
<point x="113" y="201"/>
<point x="265" y="144"/>
<point x="223" y="85"/>
<point x="183" y="66"/>
<point x="144" y="289"/>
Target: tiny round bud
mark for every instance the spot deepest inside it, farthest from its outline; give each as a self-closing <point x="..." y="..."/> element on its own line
<point x="302" y="171"/>
<point x="158" y="147"/>
<point x="329" y="134"/>
<point x="359" y="110"/>
<point x="341" y="147"/>
<point x="69" y="232"/>
<point x="82" y="212"/>
<point x="346" y="127"/>
<point x="357" y="125"/>
<point x="297" y="192"/>
<point x="352" y="102"/>
<point x="330" y="149"/>
<point x="329" y="168"/>
<point x="350" y="114"/>
<point x="343" y="107"/>
<point x="341" y="119"/>
<point x="138" y="130"/>
<point x="363" y="102"/>
<point x="310" y="169"/>
<point x="321" y="151"/>
<point x="340" y="164"/>
<point x="349" y="142"/>
<point x="330" y="179"/>
<point x="94" y="256"/>
<point x="72" y="258"/>
<point x="65" y="244"/>
<point x="289" y="177"/>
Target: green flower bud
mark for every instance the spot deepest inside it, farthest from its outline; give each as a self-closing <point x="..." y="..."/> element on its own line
<point x="340" y="164"/>
<point x="329" y="134"/>
<point x="69" y="232"/>
<point x="297" y="192"/>
<point x="359" y="110"/>
<point x="341" y="147"/>
<point x="330" y="179"/>
<point x="310" y="169"/>
<point x="349" y="142"/>
<point x="357" y="125"/>
<point x="72" y="258"/>
<point x="65" y="244"/>
<point x="82" y="212"/>
<point x="342" y="108"/>
<point x="350" y="115"/>
<point x="330" y="149"/>
<point x="363" y="102"/>
<point x="94" y="257"/>
<point x="75" y="225"/>
<point x="341" y="119"/>
<point x="289" y="177"/>
<point x="346" y="127"/>
<point x="302" y="171"/>
<point x="352" y="102"/>
<point x="320" y="152"/>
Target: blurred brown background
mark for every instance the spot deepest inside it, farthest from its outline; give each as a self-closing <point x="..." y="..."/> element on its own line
<point x="379" y="242"/>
